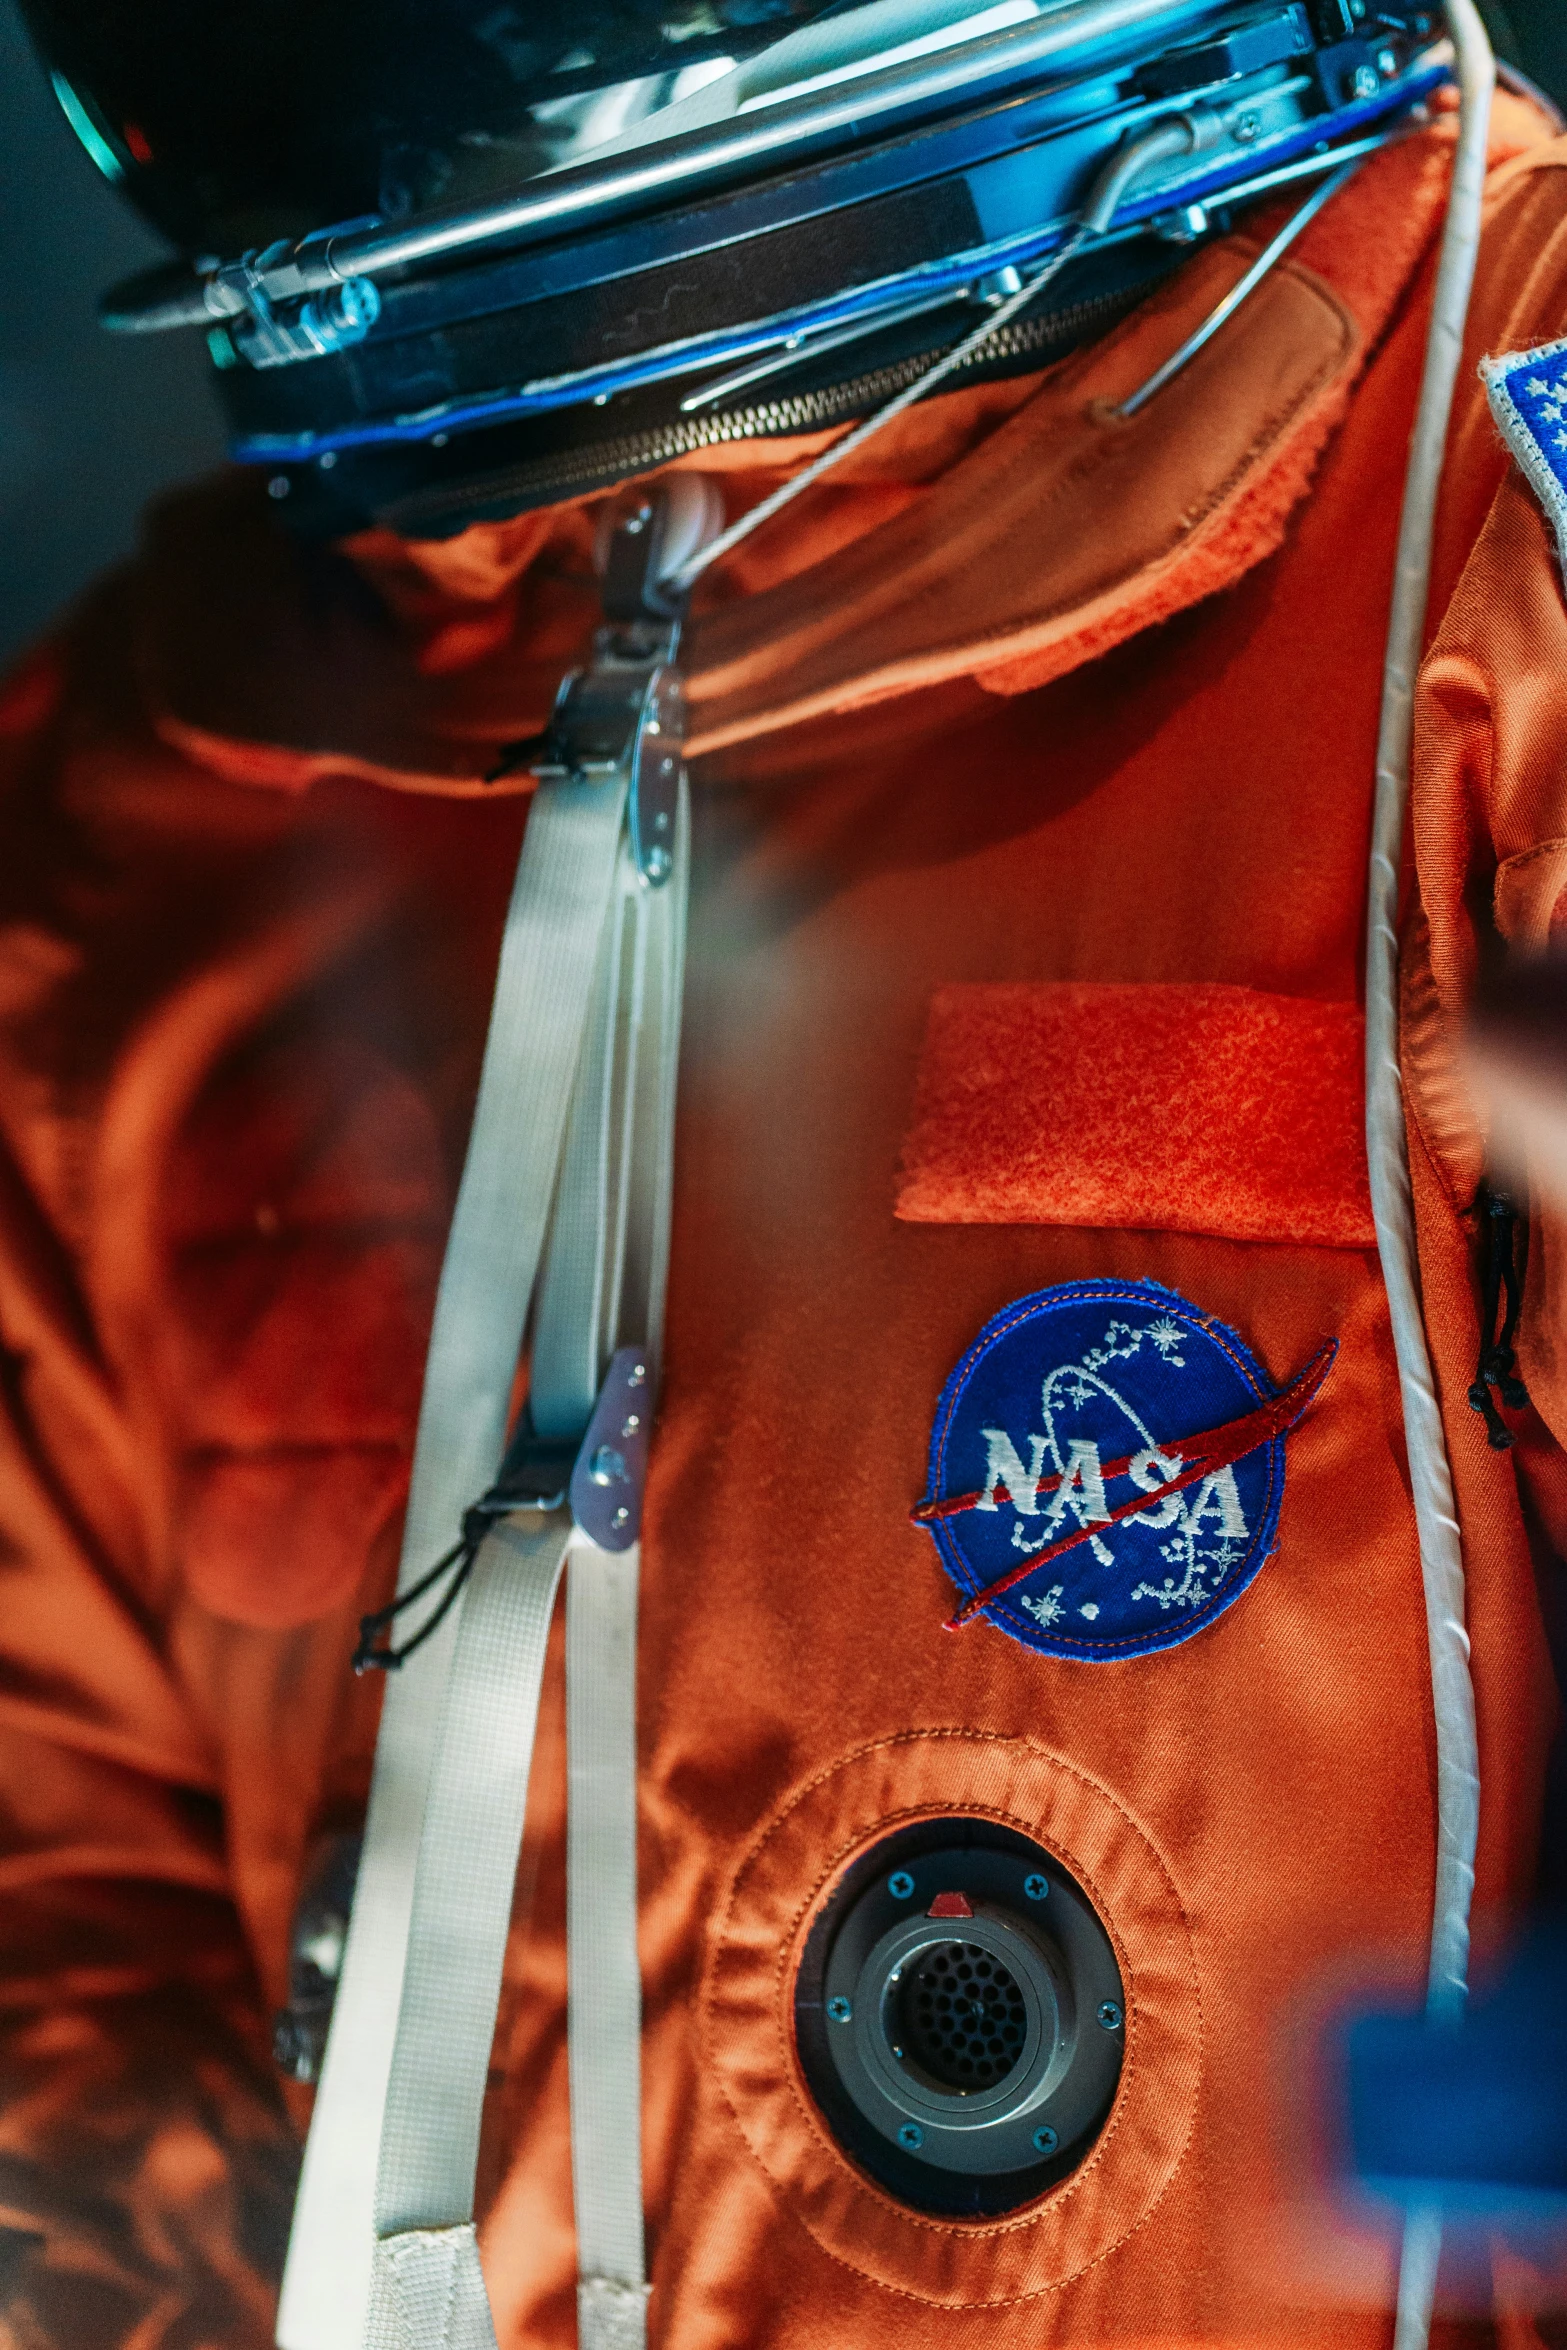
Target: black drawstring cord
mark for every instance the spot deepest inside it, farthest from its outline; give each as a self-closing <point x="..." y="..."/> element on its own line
<point x="1501" y="1289"/>
<point x="367" y="1657"/>
<point x="475" y="1525"/>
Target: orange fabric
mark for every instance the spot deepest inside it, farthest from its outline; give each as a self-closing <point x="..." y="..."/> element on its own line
<point x="1196" y="1108"/>
<point x="251" y="909"/>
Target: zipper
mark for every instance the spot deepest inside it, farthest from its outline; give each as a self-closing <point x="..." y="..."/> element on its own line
<point x="596" y="465"/>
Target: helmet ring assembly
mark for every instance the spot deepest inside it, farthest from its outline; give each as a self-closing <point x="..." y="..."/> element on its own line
<point x="960" y="2017"/>
<point x="517" y="254"/>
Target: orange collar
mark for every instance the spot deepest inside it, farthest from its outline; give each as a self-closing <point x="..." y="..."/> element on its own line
<point x="1004" y="535"/>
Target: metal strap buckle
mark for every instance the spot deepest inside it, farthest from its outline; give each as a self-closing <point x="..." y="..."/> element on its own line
<point x="624" y="712"/>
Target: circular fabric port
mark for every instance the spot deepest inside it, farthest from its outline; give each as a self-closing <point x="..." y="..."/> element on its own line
<point x="805" y="2028"/>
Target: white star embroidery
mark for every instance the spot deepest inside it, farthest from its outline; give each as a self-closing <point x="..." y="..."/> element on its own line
<point x="1560" y="440"/>
<point x="1551" y="411"/>
<point x="1537" y="384"/>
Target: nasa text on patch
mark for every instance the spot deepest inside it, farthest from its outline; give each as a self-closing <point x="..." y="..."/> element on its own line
<point x="1106" y="1469"/>
<point x="1528" y="395"/>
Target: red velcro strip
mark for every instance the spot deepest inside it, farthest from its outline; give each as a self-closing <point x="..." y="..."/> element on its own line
<point x="1181" y="1108"/>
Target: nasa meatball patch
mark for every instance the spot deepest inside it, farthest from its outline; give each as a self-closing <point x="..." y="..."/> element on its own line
<point x="1528" y="395"/>
<point x="1106" y="1469"/>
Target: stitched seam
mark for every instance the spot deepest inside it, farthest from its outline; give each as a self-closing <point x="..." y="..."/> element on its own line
<point x="1541" y="850"/>
<point x="1189" y="525"/>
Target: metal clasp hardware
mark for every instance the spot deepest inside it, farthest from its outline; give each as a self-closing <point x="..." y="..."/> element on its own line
<point x="602" y="1476"/>
<point x="611" y="1467"/>
<point x="624" y="713"/>
<point x="619" y="714"/>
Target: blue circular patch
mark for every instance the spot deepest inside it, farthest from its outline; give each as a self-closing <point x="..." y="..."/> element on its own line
<point x="1069" y="1405"/>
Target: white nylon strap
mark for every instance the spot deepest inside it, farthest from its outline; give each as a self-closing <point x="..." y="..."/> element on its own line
<point x="607" y="1260"/>
<point x="577" y="1320"/>
<point x="633" y="1176"/>
<point x="473" y="1819"/>
<point x="553" y="931"/>
<point x="473" y="1824"/>
<point x="430" y="2289"/>
<point x="605" y="1986"/>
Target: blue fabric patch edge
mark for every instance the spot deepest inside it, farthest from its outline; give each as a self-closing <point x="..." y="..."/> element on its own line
<point x="1006" y="1614"/>
<point x="1536" y="439"/>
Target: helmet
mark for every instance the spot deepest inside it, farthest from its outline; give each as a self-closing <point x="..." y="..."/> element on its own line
<point x="230" y="127"/>
<point x="456" y="257"/>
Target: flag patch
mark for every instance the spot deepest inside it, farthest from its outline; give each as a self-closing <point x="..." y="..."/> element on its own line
<point x="1528" y="395"/>
<point x="1106" y="1469"/>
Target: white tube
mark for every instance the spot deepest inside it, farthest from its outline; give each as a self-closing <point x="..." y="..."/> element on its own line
<point x="1441" y="1553"/>
<point x="1441" y="1557"/>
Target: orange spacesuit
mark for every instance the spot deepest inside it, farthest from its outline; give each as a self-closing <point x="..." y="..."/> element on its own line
<point x="1032" y="760"/>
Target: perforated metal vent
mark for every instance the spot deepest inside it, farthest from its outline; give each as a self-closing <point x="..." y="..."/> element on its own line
<point x="959" y="2016"/>
<point x="963" y="2016"/>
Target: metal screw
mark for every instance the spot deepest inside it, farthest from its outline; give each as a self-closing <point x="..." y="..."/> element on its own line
<point x="657" y="863"/>
<point x="1045" y="2140"/>
<point x="638" y="1374"/>
<point x="912" y="2136"/>
<point x="279" y="486"/>
<point x="621" y="1515"/>
<point x="1366" y="82"/>
<point x="1110" y="2016"/>
<point x="607" y="1467"/>
<point x="1037" y="1887"/>
<point x="1387" y="64"/>
<point x="1246" y="127"/>
<point x="900" y="1885"/>
<point x="630" y="1424"/>
<point x="840" y="2010"/>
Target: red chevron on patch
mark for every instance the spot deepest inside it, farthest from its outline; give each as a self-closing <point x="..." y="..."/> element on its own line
<point x="1200" y="1456"/>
